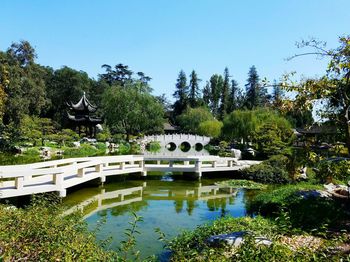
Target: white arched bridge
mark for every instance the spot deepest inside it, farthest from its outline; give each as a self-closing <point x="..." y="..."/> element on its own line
<point x="177" y="140"/>
<point x="59" y="175"/>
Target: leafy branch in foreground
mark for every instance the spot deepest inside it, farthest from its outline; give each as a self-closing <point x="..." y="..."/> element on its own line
<point x="127" y="246"/>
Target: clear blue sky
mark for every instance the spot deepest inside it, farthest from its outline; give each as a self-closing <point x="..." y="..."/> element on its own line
<point x="161" y="37"/>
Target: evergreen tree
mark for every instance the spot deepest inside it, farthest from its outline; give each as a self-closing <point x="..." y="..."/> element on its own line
<point x="256" y="95"/>
<point x="206" y="94"/>
<point x="216" y="85"/>
<point x="277" y="95"/>
<point x="181" y="94"/>
<point x="251" y="88"/>
<point x="235" y="97"/>
<point x="193" y="89"/>
<point x="224" y="106"/>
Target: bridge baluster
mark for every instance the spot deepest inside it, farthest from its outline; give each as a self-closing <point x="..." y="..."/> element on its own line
<point x="81" y="172"/>
<point x="19" y="182"/>
<point x="58" y="179"/>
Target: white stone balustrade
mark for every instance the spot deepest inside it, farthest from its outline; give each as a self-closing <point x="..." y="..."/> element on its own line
<point x="58" y="175"/>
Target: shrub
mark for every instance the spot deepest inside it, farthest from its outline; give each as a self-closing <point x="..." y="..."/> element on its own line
<point x="153" y="146"/>
<point x="330" y="170"/>
<point x="272" y="171"/>
<point x="83" y="151"/>
<point x="40" y="233"/>
<point x="192" y="245"/>
<point x="306" y="209"/>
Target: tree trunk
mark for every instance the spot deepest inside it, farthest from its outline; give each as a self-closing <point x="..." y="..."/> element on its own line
<point x="347" y="137"/>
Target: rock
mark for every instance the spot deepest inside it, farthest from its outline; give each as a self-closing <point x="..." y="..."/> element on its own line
<point x="313" y="194"/>
<point x="235" y="239"/>
<point x="236" y="153"/>
<point x="337" y="190"/>
<point x="99" y="128"/>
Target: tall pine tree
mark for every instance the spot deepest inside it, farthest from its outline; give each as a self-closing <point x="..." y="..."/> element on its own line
<point x="235" y="99"/>
<point x="224" y="99"/>
<point x="193" y="89"/>
<point x="277" y="95"/>
<point x="181" y="94"/>
<point x="256" y="94"/>
<point x="207" y="94"/>
<point x="216" y="84"/>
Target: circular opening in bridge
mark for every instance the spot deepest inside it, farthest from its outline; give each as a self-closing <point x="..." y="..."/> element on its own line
<point x="185" y="146"/>
<point x="198" y="147"/>
<point x="171" y="146"/>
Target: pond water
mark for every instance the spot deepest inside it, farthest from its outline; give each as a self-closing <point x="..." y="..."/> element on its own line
<point x="167" y="202"/>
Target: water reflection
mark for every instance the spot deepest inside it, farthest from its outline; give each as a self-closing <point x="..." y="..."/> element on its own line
<point x="171" y="205"/>
<point x="135" y="198"/>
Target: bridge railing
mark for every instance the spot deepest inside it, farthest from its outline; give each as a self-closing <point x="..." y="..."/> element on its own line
<point x="56" y="175"/>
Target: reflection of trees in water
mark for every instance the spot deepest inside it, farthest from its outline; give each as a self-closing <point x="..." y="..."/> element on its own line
<point x="249" y="195"/>
<point x="179" y="205"/>
<point x="219" y="204"/>
<point x="191" y="204"/>
<point x="132" y="207"/>
<point x="102" y="213"/>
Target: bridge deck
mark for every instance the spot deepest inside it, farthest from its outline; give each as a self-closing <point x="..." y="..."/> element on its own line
<point x="58" y="175"/>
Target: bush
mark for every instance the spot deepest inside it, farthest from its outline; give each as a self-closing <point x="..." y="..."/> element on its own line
<point x="192" y="245"/>
<point x="153" y="146"/>
<point x="83" y="151"/>
<point x="306" y="209"/>
<point x="330" y="170"/>
<point x="272" y="171"/>
<point x="40" y="233"/>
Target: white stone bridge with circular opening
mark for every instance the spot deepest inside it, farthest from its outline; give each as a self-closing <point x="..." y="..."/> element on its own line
<point x="177" y="140"/>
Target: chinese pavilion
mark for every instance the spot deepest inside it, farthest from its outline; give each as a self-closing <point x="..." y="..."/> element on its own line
<point x="81" y="115"/>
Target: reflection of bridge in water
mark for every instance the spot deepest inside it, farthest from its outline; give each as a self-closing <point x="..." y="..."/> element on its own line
<point x="121" y="197"/>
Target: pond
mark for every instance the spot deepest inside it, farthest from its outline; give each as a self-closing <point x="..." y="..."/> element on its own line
<point x="166" y="202"/>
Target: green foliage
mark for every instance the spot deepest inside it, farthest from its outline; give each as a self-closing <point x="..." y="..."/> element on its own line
<point x="328" y="171"/>
<point x="34" y="129"/>
<point x="239" y="183"/>
<point x="83" y="151"/>
<point x="211" y="128"/>
<point x="127" y="247"/>
<point x="225" y="93"/>
<point x="153" y="146"/>
<point x="273" y="136"/>
<point x="192" y="245"/>
<point x="129" y="111"/>
<point x="40" y="233"/>
<point x="29" y="156"/>
<point x="216" y="86"/>
<point x="271" y="171"/>
<point x="269" y="132"/>
<point x="180" y="94"/>
<point x="190" y="120"/>
<point x="104" y="136"/>
<point x="256" y="93"/>
<point x="239" y="125"/>
<point x="193" y="95"/>
<point x="64" y="136"/>
<point x="306" y="209"/>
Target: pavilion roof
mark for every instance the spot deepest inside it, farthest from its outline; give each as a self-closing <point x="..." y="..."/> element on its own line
<point x="83" y="105"/>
